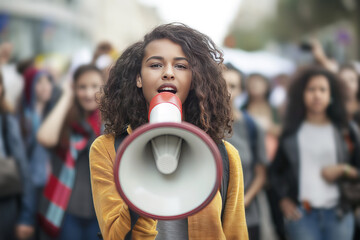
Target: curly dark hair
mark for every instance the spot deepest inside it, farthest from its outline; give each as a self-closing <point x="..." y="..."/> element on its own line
<point x="207" y="105"/>
<point x="296" y="110"/>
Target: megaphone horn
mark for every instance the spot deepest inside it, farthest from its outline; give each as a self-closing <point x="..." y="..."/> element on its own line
<point x="167" y="169"/>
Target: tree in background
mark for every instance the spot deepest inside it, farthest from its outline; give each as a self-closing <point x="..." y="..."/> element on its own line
<point x="293" y="20"/>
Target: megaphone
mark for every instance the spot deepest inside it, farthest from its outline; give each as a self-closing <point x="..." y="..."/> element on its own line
<point x="167" y="169"/>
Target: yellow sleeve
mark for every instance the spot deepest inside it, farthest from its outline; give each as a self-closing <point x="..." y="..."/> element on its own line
<point x="111" y="211"/>
<point x="234" y="222"/>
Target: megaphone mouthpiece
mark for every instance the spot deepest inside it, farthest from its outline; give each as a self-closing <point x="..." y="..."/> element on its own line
<point x="165" y="107"/>
<point x="166" y="150"/>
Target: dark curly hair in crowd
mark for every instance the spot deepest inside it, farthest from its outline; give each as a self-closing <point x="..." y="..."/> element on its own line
<point x="207" y="105"/>
<point x="296" y="110"/>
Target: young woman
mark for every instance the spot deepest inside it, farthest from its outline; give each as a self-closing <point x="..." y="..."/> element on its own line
<point x="313" y="157"/>
<point x="36" y="103"/>
<point x="17" y="220"/>
<point x="180" y="59"/>
<point x="248" y="139"/>
<point x="258" y="106"/>
<point x="66" y="209"/>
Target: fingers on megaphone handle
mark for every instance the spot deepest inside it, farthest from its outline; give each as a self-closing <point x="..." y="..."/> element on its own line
<point x="166" y="150"/>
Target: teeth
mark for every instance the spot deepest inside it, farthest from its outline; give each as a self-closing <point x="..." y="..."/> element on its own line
<point x="167" y="89"/>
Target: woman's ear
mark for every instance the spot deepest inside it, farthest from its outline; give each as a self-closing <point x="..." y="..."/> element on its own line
<point x="138" y="81"/>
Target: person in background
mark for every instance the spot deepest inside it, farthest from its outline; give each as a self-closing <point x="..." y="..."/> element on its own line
<point x="313" y="156"/>
<point x="37" y="102"/>
<point x="16" y="211"/>
<point x="350" y="77"/>
<point x="278" y="95"/>
<point x="258" y="106"/>
<point x="68" y="132"/>
<point x="248" y="139"/>
<point x="346" y="73"/>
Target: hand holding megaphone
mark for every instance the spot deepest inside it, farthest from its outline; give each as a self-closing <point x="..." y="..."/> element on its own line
<point x="167" y="169"/>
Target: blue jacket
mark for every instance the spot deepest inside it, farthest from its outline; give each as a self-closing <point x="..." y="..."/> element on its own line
<point x="17" y="150"/>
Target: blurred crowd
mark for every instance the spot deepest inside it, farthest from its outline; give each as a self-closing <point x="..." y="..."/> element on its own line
<point x="48" y="123"/>
<point x="297" y="135"/>
<point x="298" y="139"/>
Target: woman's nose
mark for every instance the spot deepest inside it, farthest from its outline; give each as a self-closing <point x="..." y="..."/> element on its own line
<point x="168" y="73"/>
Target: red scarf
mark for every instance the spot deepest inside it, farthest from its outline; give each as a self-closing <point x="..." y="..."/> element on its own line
<point x="58" y="189"/>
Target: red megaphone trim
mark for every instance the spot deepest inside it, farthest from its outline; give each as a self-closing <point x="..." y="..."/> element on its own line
<point x="165" y="97"/>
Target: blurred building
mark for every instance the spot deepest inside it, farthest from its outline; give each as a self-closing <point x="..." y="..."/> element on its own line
<point x="64" y="26"/>
<point x="286" y="23"/>
<point x="122" y="21"/>
<point x="335" y="23"/>
<point x="253" y="14"/>
<point x="250" y="25"/>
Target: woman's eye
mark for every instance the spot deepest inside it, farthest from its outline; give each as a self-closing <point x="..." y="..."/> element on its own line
<point x="180" y="66"/>
<point x="323" y="89"/>
<point x="155" y="65"/>
<point x="311" y="89"/>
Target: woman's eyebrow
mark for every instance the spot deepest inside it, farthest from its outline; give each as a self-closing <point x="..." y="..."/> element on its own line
<point x="181" y="58"/>
<point x="154" y="57"/>
<point x="161" y="58"/>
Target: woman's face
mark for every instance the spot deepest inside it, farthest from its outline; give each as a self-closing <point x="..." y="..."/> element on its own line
<point x="164" y="68"/>
<point x="43" y="89"/>
<point x="257" y="87"/>
<point x="233" y="82"/>
<point x="351" y="81"/>
<point x="317" y="95"/>
<point x="86" y="87"/>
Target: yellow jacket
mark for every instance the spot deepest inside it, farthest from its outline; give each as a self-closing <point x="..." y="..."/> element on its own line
<point x="114" y="218"/>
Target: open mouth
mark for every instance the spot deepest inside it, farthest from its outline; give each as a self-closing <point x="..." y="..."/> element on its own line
<point x="167" y="88"/>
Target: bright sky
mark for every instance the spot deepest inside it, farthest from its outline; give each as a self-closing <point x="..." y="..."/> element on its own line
<point x="211" y="17"/>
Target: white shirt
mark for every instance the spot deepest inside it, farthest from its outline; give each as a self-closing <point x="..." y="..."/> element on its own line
<point x="13" y="84"/>
<point x="317" y="150"/>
